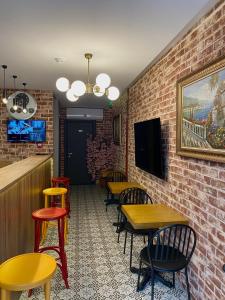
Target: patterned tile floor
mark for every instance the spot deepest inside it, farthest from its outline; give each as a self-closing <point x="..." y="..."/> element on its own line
<point x="97" y="267"/>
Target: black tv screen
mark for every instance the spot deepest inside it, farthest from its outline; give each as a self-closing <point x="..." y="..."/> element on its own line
<point x="26" y="131"/>
<point x="148" y="155"/>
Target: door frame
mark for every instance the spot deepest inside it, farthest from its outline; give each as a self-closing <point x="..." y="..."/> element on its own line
<point x="66" y="124"/>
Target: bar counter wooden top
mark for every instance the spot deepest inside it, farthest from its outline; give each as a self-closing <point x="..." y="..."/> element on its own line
<point x="14" y="171"/>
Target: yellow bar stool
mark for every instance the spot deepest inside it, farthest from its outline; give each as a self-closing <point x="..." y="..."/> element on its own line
<point x="25" y="272"/>
<point x="50" y="193"/>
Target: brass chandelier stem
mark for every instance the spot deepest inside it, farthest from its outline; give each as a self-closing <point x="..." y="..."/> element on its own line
<point x="88" y="70"/>
<point x="88" y="56"/>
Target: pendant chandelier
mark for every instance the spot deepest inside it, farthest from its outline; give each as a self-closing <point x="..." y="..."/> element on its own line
<point x="79" y="88"/>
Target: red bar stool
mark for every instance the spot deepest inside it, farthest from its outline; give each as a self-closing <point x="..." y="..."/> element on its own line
<point x="52" y="214"/>
<point x="63" y="182"/>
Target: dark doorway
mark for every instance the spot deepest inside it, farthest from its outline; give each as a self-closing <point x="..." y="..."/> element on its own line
<point x="76" y="134"/>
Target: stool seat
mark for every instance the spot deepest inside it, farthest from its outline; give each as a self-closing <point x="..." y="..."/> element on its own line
<point x="55" y="191"/>
<point x="64" y="180"/>
<point x="26" y="271"/>
<point x="50" y="213"/>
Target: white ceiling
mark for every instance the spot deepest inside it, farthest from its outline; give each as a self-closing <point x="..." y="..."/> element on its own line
<point x="123" y="35"/>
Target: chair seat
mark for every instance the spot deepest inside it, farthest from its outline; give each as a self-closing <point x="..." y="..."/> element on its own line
<point x="129" y="228"/>
<point x="26" y="271"/>
<point x="176" y="263"/>
<point x="50" y="213"/>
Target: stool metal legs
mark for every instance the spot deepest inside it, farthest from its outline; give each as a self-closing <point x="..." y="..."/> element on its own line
<point x="59" y="249"/>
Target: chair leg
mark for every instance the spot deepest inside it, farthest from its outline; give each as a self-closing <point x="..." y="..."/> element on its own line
<point x="47" y="289"/>
<point x="5" y="295"/>
<point x="118" y="239"/>
<point x="187" y="283"/>
<point x="131" y="249"/>
<point x="139" y="275"/>
<point x="173" y="279"/>
<point x="152" y="283"/>
<point x="125" y="242"/>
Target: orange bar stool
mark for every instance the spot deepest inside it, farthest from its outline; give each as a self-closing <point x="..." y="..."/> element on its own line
<point x="25" y="272"/>
<point x="50" y="200"/>
<point x="52" y="214"/>
<point x="63" y="182"/>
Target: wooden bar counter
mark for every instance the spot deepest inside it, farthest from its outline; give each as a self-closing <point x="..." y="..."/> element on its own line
<point x="21" y="185"/>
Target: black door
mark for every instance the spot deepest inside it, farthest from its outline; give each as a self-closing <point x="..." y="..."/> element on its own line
<point x="76" y="134"/>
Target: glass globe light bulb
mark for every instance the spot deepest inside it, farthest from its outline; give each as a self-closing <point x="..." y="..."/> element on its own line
<point x="70" y="96"/>
<point x="24" y="110"/>
<point x="103" y="80"/>
<point x="62" y="84"/>
<point x="78" y="87"/>
<point x="98" y="91"/>
<point x="113" y="93"/>
<point x="4" y="100"/>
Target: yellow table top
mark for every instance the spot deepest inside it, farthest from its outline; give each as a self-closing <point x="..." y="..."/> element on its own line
<point x="118" y="187"/>
<point x="145" y="216"/>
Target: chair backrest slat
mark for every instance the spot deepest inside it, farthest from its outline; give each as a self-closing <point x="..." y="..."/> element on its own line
<point x="188" y="243"/>
<point x="172" y="243"/>
<point x="169" y="236"/>
<point x="185" y="234"/>
<point x="115" y="176"/>
<point x="137" y="196"/>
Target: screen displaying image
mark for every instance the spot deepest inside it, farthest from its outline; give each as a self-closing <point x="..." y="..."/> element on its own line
<point x="26" y="131"/>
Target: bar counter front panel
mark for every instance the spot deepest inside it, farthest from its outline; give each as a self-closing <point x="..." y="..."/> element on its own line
<point x="20" y="194"/>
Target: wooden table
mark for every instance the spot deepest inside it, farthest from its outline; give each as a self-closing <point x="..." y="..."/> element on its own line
<point x="118" y="187"/>
<point x="115" y="188"/>
<point x="148" y="216"/>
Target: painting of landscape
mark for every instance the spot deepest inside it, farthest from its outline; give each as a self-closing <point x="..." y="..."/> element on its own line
<point x="203" y="113"/>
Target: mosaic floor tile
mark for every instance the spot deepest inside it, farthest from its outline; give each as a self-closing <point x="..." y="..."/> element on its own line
<point x="97" y="267"/>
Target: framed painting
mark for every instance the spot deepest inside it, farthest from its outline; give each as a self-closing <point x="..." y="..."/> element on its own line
<point x="201" y="113"/>
<point x="117" y="130"/>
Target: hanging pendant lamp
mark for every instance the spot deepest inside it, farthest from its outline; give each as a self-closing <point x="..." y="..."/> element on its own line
<point x="79" y="88"/>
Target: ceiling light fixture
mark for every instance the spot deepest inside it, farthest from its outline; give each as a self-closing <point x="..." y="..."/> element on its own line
<point x="15" y="105"/>
<point x="79" y="88"/>
<point x="4" y="93"/>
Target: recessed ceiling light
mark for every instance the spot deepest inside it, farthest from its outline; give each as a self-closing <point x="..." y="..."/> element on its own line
<point x="60" y="59"/>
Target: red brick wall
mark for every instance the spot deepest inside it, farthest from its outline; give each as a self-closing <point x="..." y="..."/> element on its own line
<point x="102" y="127"/>
<point x="194" y="187"/>
<point x="120" y="107"/>
<point x="17" y="151"/>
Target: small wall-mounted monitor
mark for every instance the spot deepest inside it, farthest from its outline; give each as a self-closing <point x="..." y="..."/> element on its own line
<point x="148" y="155"/>
<point x="33" y="131"/>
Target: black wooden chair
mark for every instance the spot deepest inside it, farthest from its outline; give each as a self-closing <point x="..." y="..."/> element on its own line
<point x="113" y="176"/>
<point x="169" y="250"/>
<point x="133" y="196"/>
<point x="122" y="200"/>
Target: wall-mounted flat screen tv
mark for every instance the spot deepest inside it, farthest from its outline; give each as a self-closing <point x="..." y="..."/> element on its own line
<point x="148" y="155"/>
<point x="33" y="131"/>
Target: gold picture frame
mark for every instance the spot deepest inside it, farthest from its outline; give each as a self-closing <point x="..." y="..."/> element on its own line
<point x="117" y="129"/>
<point x="201" y="113"/>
